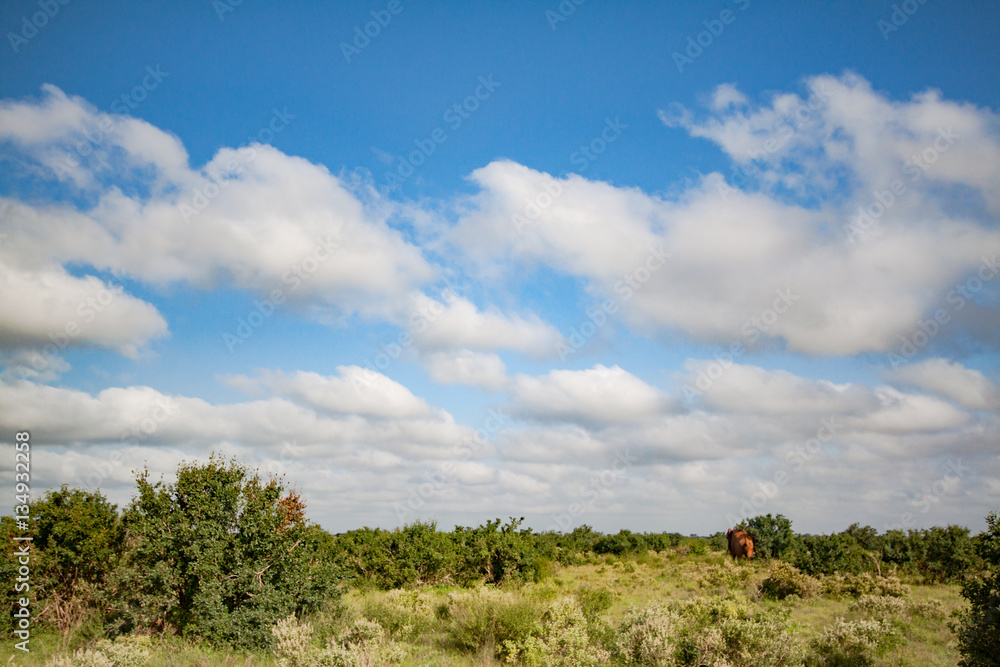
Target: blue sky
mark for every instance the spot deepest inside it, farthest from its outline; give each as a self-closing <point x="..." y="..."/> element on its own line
<point x="574" y="249"/>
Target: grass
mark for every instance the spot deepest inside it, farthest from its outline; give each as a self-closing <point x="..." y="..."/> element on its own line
<point x="425" y="622"/>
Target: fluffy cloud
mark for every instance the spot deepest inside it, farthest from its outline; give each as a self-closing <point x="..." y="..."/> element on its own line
<point x="597" y="395"/>
<point x="356" y="391"/>
<point x="778" y="259"/>
<point x="459" y="324"/>
<point x="474" y="369"/>
<point x="48" y="309"/>
<point x="251" y="218"/>
<point x="950" y="379"/>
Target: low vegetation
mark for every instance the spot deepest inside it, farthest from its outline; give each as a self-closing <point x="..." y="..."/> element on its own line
<point x="222" y="567"/>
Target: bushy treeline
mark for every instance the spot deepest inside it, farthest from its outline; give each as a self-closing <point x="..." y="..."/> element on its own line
<point x="495" y="553"/>
<point x="936" y="554"/>
<point x="222" y="556"/>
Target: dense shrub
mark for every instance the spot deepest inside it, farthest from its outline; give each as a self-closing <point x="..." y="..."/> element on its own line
<point x="124" y="652"/>
<point x="563" y="641"/>
<point x="402" y="611"/>
<point x="218" y="555"/>
<point x="732" y="630"/>
<point x="77" y="540"/>
<point x="851" y="644"/>
<point x="978" y="628"/>
<point x="894" y="609"/>
<point x="856" y="585"/>
<point x="772" y="536"/>
<point x="414" y="554"/>
<point x="645" y="636"/>
<point x="364" y="644"/>
<point x="784" y="579"/>
<point x="707" y="631"/>
<point x="726" y="575"/>
<point x="827" y="554"/>
<point x="594" y="601"/>
<point x="620" y="544"/>
<point x="495" y="553"/>
<point x="486" y="619"/>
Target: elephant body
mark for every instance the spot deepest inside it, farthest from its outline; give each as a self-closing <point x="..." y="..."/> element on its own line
<point x="740" y="544"/>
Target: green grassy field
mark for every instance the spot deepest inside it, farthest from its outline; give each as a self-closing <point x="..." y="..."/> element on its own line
<point x="438" y="625"/>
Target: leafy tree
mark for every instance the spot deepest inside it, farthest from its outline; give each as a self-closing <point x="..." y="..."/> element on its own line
<point x="947" y="553"/>
<point x="218" y="555"/>
<point x="772" y="536"/>
<point x="497" y="553"/>
<point x="827" y="554"/>
<point x="625" y="542"/>
<point x="77" y="537"/>
<point x="414" y="554"/>
<point x="978" y="627"/>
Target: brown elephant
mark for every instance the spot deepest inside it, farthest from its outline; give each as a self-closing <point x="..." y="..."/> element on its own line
<point x="740" y="544"/>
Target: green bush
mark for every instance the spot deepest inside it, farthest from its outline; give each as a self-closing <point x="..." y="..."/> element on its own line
<point x="978" y="627"/>
<point x="124" y="652"/>
<point x="495" y="553"/>
<point x="594" y="601"/>
<point x="712" y="631"/>
<point x="563" y="640"/>
<point x="851" y="644"/>
<point x="644" y="636"/>
<point x="734" y="631"/>
<point x="620" y="544"/>
<point x="829" y="554"/>
<point x="364" y="644"/>
<point x="77" y="540"/>
<point x="784" y="579"/>
<point x="772" y="536"/>
<point x="856" y="585"/>
<point x="412" y="555"/>
<point x="727" y="576"/>
<point x="485" y="619"/>
<point x="893" y="609"/>
<point x="218" y="555"/>
<point x="401" y="612"/>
